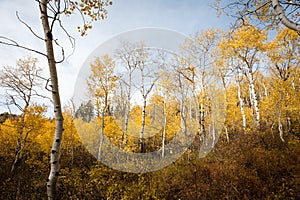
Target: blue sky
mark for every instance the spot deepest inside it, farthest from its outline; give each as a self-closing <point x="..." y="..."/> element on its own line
<point x="184" y="16"/>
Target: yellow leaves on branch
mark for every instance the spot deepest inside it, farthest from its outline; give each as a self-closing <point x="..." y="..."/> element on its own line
<point x="102" y="81"/>
<point x="249" y="37"/>
<point x="284" y="47"/>
<point x="90" y="11"/>
<point x="241" y="42"/>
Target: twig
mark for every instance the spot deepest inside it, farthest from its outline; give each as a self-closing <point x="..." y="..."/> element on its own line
<point x="15" y="44"/>
<point x="28" y="27"/>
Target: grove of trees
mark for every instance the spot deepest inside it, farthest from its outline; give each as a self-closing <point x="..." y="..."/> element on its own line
<point x="236" y="92"/>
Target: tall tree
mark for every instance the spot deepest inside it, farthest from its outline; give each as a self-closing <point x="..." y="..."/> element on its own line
<point x="245" y="46"/>
<point x="197" y="68"/>
<point x="101" y="84"/>
<point x="129" y="60"/>
<point x="283" y="53"/>
<point x="148" y="80"/>
<point x="164" y="88"/>
<point x="21" y="83"/>
<point x="50" y="15"/>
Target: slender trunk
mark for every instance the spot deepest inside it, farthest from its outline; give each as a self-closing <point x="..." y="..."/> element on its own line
<point x="141" y="143"/>
<point x="197" y="111"/>
<point x="265" y="90"/>
<point x="145" y="93"/>
<point x="241" y="102"/>
<point x="19" y="143"/>
<point x="202" y="119"/>
<point x="280" y="128"/>
<point x="213" y="134"/>
<point x="251" y="104"/>
<point x="225" y="122"/>
<point x="128" y="107"/>
<point x="288" y="121"/>
<point x="164" y="132"/>
<point x="72" y="143"/>
<point x="191" y="112"/>
<point x="181" y="108"/>
<point x="104" y="112"/>
<point x="55" y="151"/>
<point x="293" y="84"/>
<point x="182" y="115"/>
<point x="272" y="126"/>
<point x="254" y="99"/>
<point x="226" y="133"/>
<point x="202" y="113"/>
<point x="101" y="136"/>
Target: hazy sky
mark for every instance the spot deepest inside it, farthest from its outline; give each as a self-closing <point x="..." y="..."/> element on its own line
<point x="185" y="16"/>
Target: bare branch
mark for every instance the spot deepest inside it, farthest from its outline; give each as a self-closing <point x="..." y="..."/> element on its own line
<point x="71" y="39"/>
<point x="47" y="85"/>
<point x="17" y="14"/>
<point x="62" y="52"/>
<point x="11" y="42"/>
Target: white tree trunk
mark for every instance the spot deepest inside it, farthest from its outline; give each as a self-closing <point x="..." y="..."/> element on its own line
<point x="164" y="132"/>
<point x="280" y="128"/>
<point x="55" y="151"/>
<point x="141" y="143"/>
<point x="145" y="93"/>
<point x="101" y="137"/>
<point x="128" y="107"/>
<point x="202" y="119"/>
<point x="241" y="102"/>
<point x="282" y="17"/>
<point x="265" y="90"/>
<point x="182" y="116"/>
<point x="213" y="134"/>
<point x="226" y="133"/>
<point x="202" y="113"/>
<point x="254" y="100"/>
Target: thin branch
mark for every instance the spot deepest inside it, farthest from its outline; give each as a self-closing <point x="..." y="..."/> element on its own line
<point x="15" y="103"/>
<point x="28" y="27"/>
<point x="62" y="52"/>
<point x="13" y="43"/>
<point x="71" y="39"/>
<point x="47" y="85"/>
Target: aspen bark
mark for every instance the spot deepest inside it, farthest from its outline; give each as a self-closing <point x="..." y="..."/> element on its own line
<point x="101" y="137"/>
<point x="280" y="128"/>
<point x="213" y="133"/>
<point x="141" y="143"/>
<point x="145" y="92"/>
<point x="202" y="114"/>
<point x="226" y="133"/>
<point x="55" y="151"/>
<point x="104" y="112"/>
<point x="254" y="100"/>
<point x="164" y="131"/>
<point x="127" y="106"/>
<point x="241" y="102"/>
<point x="182" y="116"/>
<point x="282" y="17"/>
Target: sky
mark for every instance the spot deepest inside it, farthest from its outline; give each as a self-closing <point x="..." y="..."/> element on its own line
<point x="183" y="16"/>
